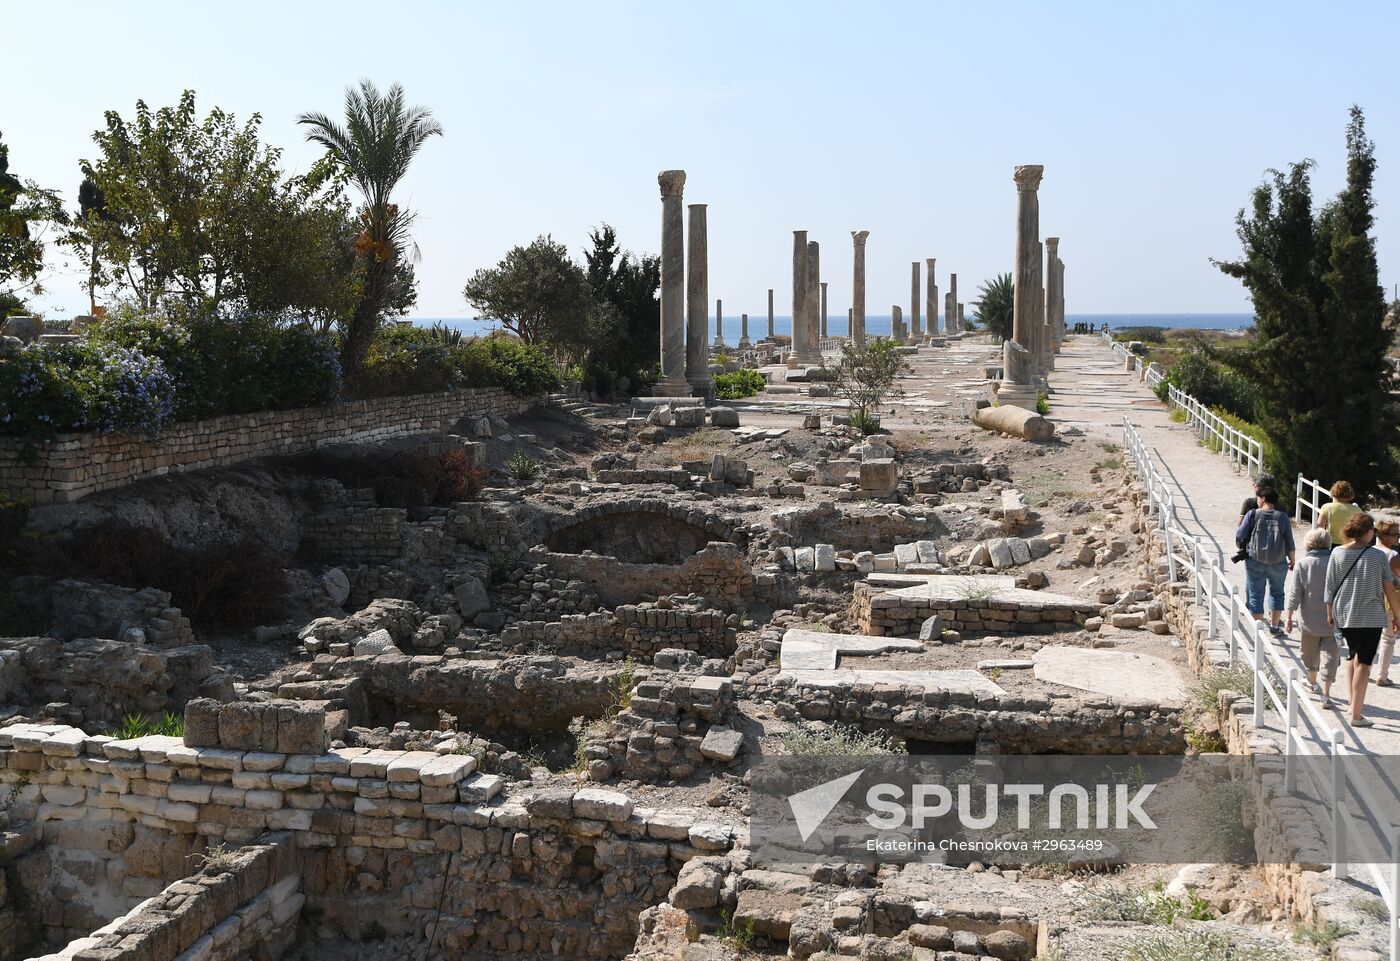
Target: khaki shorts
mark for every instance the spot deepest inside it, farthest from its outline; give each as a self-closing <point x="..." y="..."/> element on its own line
<point x="1321" y="648"/>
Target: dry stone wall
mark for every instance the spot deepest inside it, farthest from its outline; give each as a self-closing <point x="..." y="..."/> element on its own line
<point x="393" y="841"/>
<point x="75" y="465"/>
<point x="718" y="573"/>
<point x="635" y="630"/>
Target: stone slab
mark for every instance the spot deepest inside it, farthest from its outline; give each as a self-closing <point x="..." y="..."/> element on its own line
<point x="1128" y="677"/>
<point x="955" y="682"/>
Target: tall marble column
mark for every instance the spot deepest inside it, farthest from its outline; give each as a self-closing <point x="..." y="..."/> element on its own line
<point x="824" y="333"/>
<point x="813" y="302"/>
<point x="1052" y="334"/>
<point x="1019" y="364"/>
<point x="744" y="330"/>
<point x="931" y="299"/>
<point x="858" y="238"/>
<point x="719" y="323"/>
<point x="950" y="313"/>
<point x="673" y="322"/>
<point x="962" y="319"/>
<point x="801" y="353"/>
<point x="1036" y="344"/>
<point x="770" y="313"/>
<point x="897" y="323"/>
<point x="915" y="329"/>
<point x="954" y="323"/>
<point x="697" y="301"/>
<point x="1060" y="296"/>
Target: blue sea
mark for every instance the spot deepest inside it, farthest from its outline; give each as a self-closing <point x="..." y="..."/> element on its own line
<point x="880" y="323"/>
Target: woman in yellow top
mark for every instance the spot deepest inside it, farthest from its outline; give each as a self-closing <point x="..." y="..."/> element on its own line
<point x="1334" y="516"/>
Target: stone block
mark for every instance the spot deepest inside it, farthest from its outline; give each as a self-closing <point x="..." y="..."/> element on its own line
<point x="551" y="803"/>
<point x="471" y="597"/>
<point x="879" y="475"/>
<point x="724" y="417"/>
<point x="374" y="644"/>
<point x="1000" y="552"/>
<point x="1020" y="550"/>
<point x="824" y="557"/>
<point x="806" y="558"/>
<point x="301" y="728"/>
<point x="698" y="884"/>
<point x="722" y="744"/>
<point x="905" y="555"/>
<point x="602" y="805"/>
<point x="446" y="770"/>
<point x="931" y="630"/>
<point x="337" y="586"/>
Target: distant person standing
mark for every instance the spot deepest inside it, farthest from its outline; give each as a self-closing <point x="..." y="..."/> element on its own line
<point x="1267" y="534"/>
<point x="1306" y="595"/>
<point x="1360" y="585"/>
<point x="1334" y="516"/>
<point x="1388" y="540"/>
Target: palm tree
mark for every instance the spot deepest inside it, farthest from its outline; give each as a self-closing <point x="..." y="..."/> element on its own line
<point x="379" y="139"/>
<point x="996" y="305"/>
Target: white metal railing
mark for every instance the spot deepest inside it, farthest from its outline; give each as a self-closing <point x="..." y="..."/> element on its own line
<point x="1152" y="375"/>
<point x="1279" y="682"/>
<point x="1313" y="502"/>
<point x="1239" y="448"/>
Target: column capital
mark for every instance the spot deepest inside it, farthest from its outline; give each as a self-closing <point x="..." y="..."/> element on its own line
<point x="1027" y="177"/>
<point x="672" y="182"/>
<point x="929" y="262"/>
<point x="858" y="237"/>
<point x="691" y="206"/>
<point x="1051" y="243"/>
<point x="824" y="283"/>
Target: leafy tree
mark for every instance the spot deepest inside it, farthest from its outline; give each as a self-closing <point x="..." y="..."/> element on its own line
<point x="629" y="282"/>
<point x="25" y="208"/>
<point x="995" y="305"/>
<point x="379" y="139"/>
<point x="198" y="210"/>
<point x="1319" y="364"/>
<point x="866" y="376"/>
<point x="539" y="294"/>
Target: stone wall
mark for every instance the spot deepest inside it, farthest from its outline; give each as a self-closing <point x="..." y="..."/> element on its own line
<point x="88" y="609"/>
<point x="99" y="681"/>
<point x="719" y="574"/>
<point x="879" y="612"/>
<point x="75" y="465"/>
<point x="388" y="842"/>
<point x="865" y="528"/>
<point x="674" y="723"/>
<point x="242" y="904"/>
<point x="635" y="630"/>
<point x="1008" y="724"/>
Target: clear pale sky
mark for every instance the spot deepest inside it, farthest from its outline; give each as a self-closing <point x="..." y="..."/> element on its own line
<point x="1153" y="121"/>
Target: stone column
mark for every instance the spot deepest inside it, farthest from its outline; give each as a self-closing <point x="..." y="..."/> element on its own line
<point x="1052" y="332"/>
<point x="896" y="323"/>
<point x="850" y="314"/>
<point x="770" y="313"/>
<point x="1036" y="341"/>
<point x="962" y="320"/>
<point x="954" y="324"/>
<point x="744" y="330"/>
<point x="950" y="313"/>
<point x="813" y="302"/>
<point x="1060" y="296"/>
<point x="931" y="299"/>
<point x="801" y="353"/>
<point x="824" y="333"/>
<point x="697" y="304"/>
<point x="858" y="288"/>
<point x="673" y="352"/>
<point x="915" y="329"/>
<point x="1019" y="364"/>
<point x="719" y="323"/>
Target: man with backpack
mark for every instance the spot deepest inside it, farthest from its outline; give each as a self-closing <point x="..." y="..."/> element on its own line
<point x="1267" y="534"/>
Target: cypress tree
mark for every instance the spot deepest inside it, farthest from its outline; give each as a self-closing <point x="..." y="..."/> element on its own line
<point x="1319" y="361"/>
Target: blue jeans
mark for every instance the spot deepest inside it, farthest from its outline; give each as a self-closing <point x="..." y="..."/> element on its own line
<point x="1256" y="577"/>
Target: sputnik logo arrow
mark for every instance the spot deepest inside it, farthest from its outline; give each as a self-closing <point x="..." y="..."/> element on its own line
<point x="810" y="807"/>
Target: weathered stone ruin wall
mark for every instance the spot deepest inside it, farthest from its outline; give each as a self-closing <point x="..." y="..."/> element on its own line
<point x="635" y="630"/>
<point x="97" y="681"/>
<point x="246" y="904"/>
<point x="1007" y="724"/>
<point x="75" y="465"/>
<point x="880" y="614"/>
<point x="379" y="840"/>
<point x="87" y="609"/>
<point x="665" y="734"/>
<point x="870" y="528"/>
<point x="719" y="574"/>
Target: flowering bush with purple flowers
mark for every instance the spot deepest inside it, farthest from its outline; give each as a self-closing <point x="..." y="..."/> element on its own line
<point x="46" y="391"/>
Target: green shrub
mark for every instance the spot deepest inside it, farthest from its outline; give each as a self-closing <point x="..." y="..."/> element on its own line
<point x="522" y="467"/>
<point x="1198" y="944"/>
<point x="1212" y="384"/>
<point x="87" y="385"/>
<point x="1042" y="404"/>
<point x="403" y="359"/>
<point x="740" y="383"/>
<point x="1148" y="335"/>
<point x="230" y="365"/>
<point x="839" y="740"/>
<point x="866" y="423"/>
<point x="522" y="369"/>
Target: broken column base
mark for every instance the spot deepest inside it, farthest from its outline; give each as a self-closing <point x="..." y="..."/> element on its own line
<point x="1017" y="395"/>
